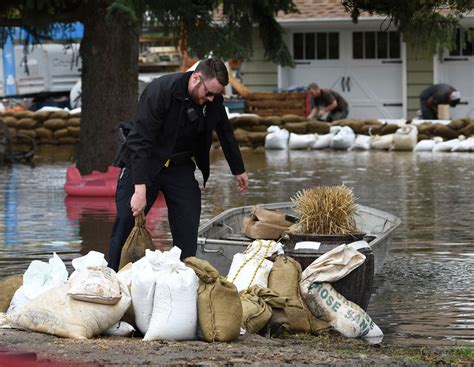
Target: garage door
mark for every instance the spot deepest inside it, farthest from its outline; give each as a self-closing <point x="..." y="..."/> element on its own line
<point x="364" y="67"/>
<point x="457" y="69"/>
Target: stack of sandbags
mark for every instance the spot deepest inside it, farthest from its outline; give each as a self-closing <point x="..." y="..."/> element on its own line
<point x="164" y="296"/>
<point x="453" y="130"/>
<point x="250" y="129"/>
<point x="92" y="301"/>
<point x="46" y="127"/>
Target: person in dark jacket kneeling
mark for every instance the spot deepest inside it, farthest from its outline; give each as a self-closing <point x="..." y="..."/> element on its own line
<point x="169" y="136"/>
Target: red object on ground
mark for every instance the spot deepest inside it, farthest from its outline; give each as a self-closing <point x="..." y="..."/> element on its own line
<point x="95" y="184"/>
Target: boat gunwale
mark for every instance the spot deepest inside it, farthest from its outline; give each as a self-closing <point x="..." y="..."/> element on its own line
<point x="390" y="219"/>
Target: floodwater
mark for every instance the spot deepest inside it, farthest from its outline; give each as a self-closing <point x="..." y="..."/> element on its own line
<point x="424" y="295"/>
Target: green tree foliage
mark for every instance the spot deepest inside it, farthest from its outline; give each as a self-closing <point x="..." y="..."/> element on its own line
<point x="225" y="27"/>
<point x="110" y="43"/>
<point x="427" y="25"/>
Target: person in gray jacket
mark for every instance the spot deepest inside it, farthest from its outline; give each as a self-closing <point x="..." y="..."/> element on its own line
<point x="169" y="136"/>
<point x="435" y="95"/>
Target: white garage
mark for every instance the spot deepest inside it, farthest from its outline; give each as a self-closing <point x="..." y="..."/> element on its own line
<point x="366" y="66"/>
<point x="457" y="69"/>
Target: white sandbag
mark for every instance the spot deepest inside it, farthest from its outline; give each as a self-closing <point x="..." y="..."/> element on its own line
<point x="445" y="146"/>
<point x="405" y="138"/>
<point x="143" y="292"/>
<point x="335" y="129"/>
<point x="175" y="302"/>
<point x="93" y="258"/>
<point x="245" y="272"/>
<point x="260" y="249"/>
<point x="333" y="265"/>
<point x="54" y="312"/>
<point x="425" y="145"/>
<point x="97" y="284"/>
<point x="37" y="279"/>
<point x="383" y="142"/>
<point x="464" y="145"/>
<point x="277" y="138"/>
<point x="323" y="141"/>
<point x="362" y="142"/>
<point x="301" y="141"/>
<point x="121" y="328"/>
<point x="343" y="139"/>
<point x="273" y="128"/>
<point x="252" y="267"/>
<point x="344" y="316"/>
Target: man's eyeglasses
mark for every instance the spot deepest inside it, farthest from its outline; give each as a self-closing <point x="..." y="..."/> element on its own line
<point x="207" y="92"/>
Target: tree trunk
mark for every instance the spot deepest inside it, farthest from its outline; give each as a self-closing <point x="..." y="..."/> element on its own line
<point x="109" y="55"/>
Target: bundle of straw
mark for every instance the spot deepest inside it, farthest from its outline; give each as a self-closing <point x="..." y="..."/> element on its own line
<point x="325" y="210"/>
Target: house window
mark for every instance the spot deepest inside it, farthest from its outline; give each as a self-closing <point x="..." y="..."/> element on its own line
<point x="375" y="45"/>
<point x="316" y="45"/>
<point x="464" y="43"/>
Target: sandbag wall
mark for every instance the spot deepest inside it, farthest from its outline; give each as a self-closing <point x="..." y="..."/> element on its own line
<point x="270" y="104"/>
<point x="45" y="127"/>
<point x="250" y="130"/>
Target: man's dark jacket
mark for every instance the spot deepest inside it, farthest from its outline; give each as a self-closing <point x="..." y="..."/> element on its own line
<point x="154" y="130"/>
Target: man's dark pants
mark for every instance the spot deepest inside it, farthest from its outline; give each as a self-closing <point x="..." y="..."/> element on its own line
<point x="426" y="112"/>
<point x="183" y="199"/>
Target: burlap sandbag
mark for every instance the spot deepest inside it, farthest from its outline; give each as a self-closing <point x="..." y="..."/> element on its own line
<point x="137" y="242"/>
<point x="318" y="127"/>
<point x="257" y="305"/>
<point x="8" y="287"/>
<point x="41" y="115"/>
<point x="272" y="120"/>
<point x="23" y="114"/>
<point x="261" y="230"/>
<point x="59" y="115"/>
<point x="60" y="133"/>
<point x="42" y="132"/>
<point x="27" y="123"/>
<point x="73" y="121"/>
<point x="10" y="121"/>
<point x="30" y="133"/>
<point x="468" y="130"/>
<point x="257" y="137"/>
<point x="74" y="131"/>
<point x="54" y="124"/>
<point x="291" y="118"/>
<point x="296" y="127"/>
<point x="265" y="224"/>
<point x="219" y="306"/>
<point x="389" y="129"/>
<point x="242" y="136"/>
<point x="459" y="123"/>
<point x="284" y="279"/>
<point x="270" y="216"/>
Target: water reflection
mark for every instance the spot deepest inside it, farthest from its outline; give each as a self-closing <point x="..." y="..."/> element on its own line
<point x="425" y="293"/>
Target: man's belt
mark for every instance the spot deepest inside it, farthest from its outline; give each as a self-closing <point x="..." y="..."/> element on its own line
<point x="179" y="158"/>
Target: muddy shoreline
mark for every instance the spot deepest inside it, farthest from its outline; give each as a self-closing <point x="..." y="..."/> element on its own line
<point x="326" y="349"/>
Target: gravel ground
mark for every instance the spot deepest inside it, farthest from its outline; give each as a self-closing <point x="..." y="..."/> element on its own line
<point x="326" y="349"/>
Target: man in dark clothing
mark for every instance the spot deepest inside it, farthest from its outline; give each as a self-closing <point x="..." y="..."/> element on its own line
<point x="435" y="95"/>
<point x="332" y="102"/>
<point x="170" y="134"/>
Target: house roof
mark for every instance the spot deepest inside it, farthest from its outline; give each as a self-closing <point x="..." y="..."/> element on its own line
<point x="316" y="9"/>
<point x="327" y="9"/>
